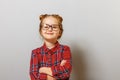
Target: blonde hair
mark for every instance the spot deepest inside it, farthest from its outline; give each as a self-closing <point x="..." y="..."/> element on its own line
<point x="59" y="19"/>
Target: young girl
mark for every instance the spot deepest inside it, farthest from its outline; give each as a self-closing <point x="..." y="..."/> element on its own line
<point x="52" y="61"/>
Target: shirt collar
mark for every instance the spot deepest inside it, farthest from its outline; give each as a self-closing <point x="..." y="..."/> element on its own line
<point x="52" y="49"/>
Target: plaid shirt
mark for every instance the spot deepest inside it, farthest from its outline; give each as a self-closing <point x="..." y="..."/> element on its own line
<point x="44" y="57"/>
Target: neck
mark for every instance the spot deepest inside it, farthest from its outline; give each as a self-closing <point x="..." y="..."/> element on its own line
<point x="50" y="44"/>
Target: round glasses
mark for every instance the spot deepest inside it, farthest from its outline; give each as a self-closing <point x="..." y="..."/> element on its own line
<point x="54" y="27"/>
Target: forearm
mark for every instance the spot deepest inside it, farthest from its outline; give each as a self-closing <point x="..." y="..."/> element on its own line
<point x="62" y="72"/>
<point x="50" y="77"/>
<point x="37" y="76"/>
<point x="46" y="70"/>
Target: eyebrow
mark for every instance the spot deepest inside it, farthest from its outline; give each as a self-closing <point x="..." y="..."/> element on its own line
<point x="50" y="24"/>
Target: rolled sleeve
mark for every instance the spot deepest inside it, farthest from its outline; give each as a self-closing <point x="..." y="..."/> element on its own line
<point x="63" y="72"/>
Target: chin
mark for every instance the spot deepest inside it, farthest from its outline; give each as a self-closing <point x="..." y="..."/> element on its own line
<point x="51" y="39"/>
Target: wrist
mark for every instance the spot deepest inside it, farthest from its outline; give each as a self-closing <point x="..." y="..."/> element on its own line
<point x="49" y="71"/>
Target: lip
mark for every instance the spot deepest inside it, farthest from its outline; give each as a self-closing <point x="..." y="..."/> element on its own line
<point x="49" y="33"/>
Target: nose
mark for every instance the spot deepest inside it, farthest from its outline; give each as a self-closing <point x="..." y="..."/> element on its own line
<point x="50" y="28"/>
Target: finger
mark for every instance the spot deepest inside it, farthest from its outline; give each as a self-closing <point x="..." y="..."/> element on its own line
<point x="63" y="62"/>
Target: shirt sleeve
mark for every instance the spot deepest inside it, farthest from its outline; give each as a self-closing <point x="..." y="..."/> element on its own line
<point x="63" y="72"/>
<point x="34" y="68"/>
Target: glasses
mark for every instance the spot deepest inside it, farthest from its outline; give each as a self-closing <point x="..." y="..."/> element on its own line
<point x="54" y="27"/>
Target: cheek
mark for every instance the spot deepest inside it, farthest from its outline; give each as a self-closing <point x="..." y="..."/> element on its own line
<point x="58" y="33"/>
<point x="43" y="32"/>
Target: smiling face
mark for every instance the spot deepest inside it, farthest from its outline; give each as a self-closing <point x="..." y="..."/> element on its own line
<point x="50" y="28"/>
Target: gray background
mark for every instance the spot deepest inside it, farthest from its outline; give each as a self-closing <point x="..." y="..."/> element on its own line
<point x="91" y="29"/>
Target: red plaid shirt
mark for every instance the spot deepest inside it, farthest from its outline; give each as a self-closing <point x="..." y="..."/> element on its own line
<point x="44" y="57"/>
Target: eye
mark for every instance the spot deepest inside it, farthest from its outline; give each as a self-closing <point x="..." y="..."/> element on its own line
<point x="54" y="27"/>
<point x="45" y="26"/>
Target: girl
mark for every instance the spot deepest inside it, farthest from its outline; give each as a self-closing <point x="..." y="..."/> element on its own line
<point x="51" y="61"/>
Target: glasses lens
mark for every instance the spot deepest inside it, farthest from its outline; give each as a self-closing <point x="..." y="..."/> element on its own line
<point x="53" y="26"/>
<point x="45" y="26"/>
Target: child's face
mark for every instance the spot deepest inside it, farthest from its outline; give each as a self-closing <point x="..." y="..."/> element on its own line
<point x="50" y="28"/>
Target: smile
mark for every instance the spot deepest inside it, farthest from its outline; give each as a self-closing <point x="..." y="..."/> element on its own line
<point x="49" y="33"/>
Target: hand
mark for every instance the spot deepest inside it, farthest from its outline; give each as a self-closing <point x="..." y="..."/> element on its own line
<point x="63" y="62"/>
<point x="50" y="78"/>
<point x="42" y="69"/>
<point x="46" y="70"/>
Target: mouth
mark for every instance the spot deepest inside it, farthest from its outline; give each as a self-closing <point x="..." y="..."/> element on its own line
<point x="49" y="33"/>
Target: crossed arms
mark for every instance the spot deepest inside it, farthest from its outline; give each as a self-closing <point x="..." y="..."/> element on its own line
<point x="61" y="71"/>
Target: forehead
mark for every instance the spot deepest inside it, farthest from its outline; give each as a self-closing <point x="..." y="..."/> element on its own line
<point x="50" y="20"/>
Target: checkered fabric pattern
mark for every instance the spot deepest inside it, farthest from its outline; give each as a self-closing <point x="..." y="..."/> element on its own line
<point x="44" y="57"/>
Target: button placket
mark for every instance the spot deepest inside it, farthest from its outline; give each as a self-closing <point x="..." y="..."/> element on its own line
<point x="49" y="56"/>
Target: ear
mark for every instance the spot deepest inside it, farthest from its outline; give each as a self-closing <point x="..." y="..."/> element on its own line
<point x="59" y="33"/>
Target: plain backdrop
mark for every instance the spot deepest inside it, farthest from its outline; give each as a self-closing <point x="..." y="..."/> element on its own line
<point x="91" y="29"/>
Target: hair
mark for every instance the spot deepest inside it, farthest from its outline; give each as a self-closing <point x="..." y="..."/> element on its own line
<point x="56" y="16"/>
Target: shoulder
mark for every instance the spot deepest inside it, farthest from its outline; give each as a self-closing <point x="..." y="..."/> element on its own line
<point x="36" y="50"/>
<point x="66" y="51"/>
<point x="65" y="46"/>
